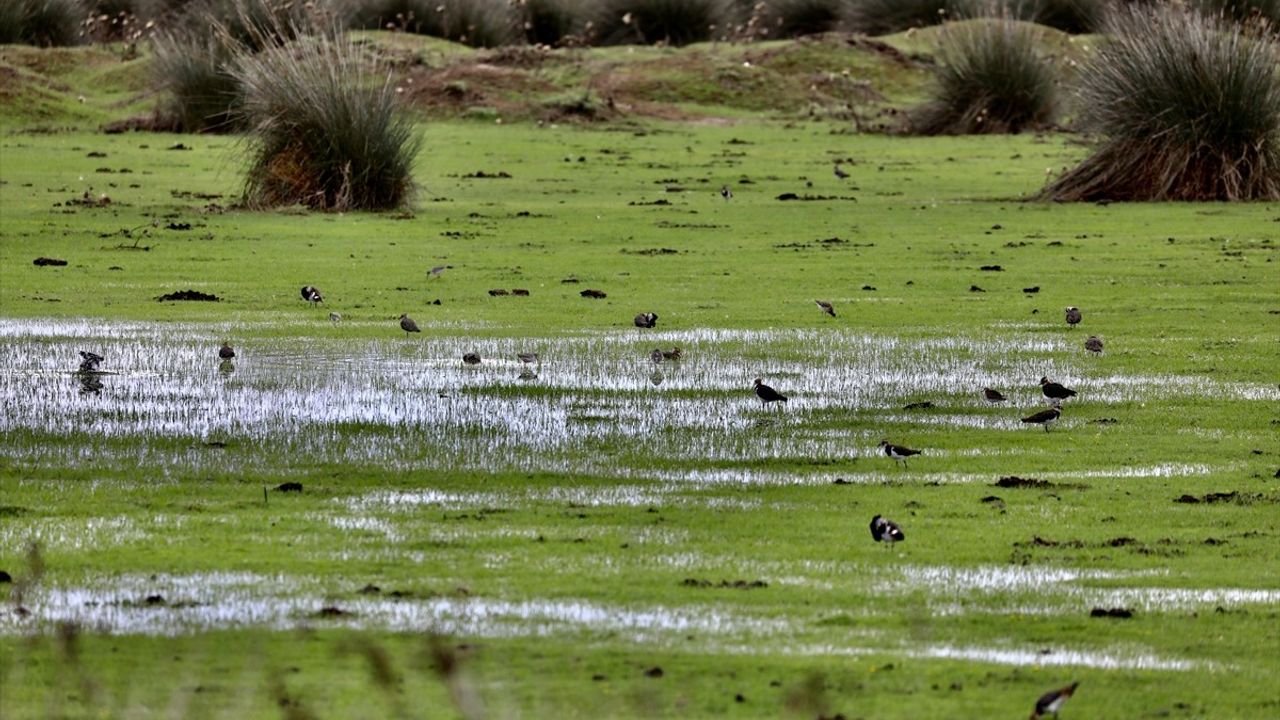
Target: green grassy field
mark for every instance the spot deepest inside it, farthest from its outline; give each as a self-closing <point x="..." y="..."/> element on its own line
<point x="599" y="535"/>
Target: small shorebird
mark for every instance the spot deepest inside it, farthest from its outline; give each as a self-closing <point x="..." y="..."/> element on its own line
<point x="1051" y="702"/>
<point x="726" y="193"/>
<point x="898" y="452"/>
<point x="1073" y="316"/>
<point x="826" y="307"/>
<point x="335" y="317"/>
<point x="1054" y="391"/>
<point x="527" y="357"/>
<point x="471" y="358"/>
<point x="1044" y="417"/>
<point x="768" y="394"/>
<point x="311" y="294"/>
<point x="1093" y="344"/>
<point x="646" y="320"/>
<point x="673" y="354"/>
<point x="839" y="172"/>
<point x="408" y="325"/>
<point x="993" y="396"/>
<point x="438" y="270"/>
<point x="89" y="361"/>
<point x="226" y="352"/>
<point x="656" y="356"/>
<point x="886" y="531"/>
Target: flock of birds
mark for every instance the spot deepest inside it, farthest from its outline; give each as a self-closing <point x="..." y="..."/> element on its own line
<point x="883" y="530"/>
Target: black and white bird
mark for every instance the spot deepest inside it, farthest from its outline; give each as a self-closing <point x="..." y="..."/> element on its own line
<point x="1051" y="702"/>
<point x="311" y="294"/>
<point x="646" y="320"/>
<point x="1055" y="391"/>
<point x="886" y="531"/>
<point x="226" y="352"/>
<point x="527" y="357"/>
<point x="471" y="358"/>
<point x="839" y="172"/>
<point x="1044" y="418"/>
<point x="898" y="452"/>
<point x="726" y="193"/>
<point x="826" y="307"/>
<point x="993" y="396"/>
<point x="89" y="361"/>
<point x="408" y="325"/>
<point x="1093" y="344"/>
<point x="1073" y="315"/>
<point x="768" y="394"/>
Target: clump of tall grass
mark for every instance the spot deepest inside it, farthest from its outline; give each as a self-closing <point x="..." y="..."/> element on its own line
<point x="881" y="17"/>
<point x="44" y="23"/>
<point x="794" y="18"/>
<point x="325" y="130"/>
<point x="1186" y="107"/>
<point x="1266" y="11"/>
<point x="196" y="72"/>
<point x="478" y="23"/>
<point x="990" y="78"/>
<point x="673" y="22"/>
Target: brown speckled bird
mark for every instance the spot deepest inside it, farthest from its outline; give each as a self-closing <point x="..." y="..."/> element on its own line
<point x="992" y="396"/>
<point x="1073" y="316"/>
<point x="1093" y="344"/>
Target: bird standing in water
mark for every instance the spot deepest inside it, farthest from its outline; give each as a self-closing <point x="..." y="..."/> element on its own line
<point x="226" y="352"/>
<point x="768" y="394"/>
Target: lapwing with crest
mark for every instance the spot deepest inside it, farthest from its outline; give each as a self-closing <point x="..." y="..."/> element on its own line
<point x="1056" y="392"/>
<point x="898" y="452"/>
<point x="646" y="320"/>
<point x="1051" y="702"/>
<point x="768" y="394"/>
<point x="311" y="294"/>
<point x="1044" y="418"/>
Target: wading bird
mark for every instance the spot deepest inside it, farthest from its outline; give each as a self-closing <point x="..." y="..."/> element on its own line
<point x="886" y="531"/>
<point x="898" y="452"/>
<point x="646" y="320"/>
<point x="226" y="352"/>
<point x="656" y="356"/>
<point x="839" y="172"/>
<point x="1051" y="702"/>
<point x="1093" y="344"/>
<point x="471" y="358"/>
<point x="673" y="354"/>
<point x="438" y="270"/>
<point x="726" y="193"/>
<point x="1073" y="316"/>
<point x="1044" y="417"/>
<point x="768" y="394"/>
<point x="89" y="361"/>
<point x="311" y="294"/>
<point x="992" y="396"/>
<point x="826" y="307"/>
<point x="335" y="317"/>
<point x="408" y="325"/>
<point x="1054" y="391"/>
<point x="527" y="357"/>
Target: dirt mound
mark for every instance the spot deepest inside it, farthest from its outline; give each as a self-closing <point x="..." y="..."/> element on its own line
<point x="189" y="295"/>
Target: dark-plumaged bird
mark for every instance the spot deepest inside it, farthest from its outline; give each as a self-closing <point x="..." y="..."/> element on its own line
<point x="226" y="352"/>
<point x="898" y="452"/>
<point x="408" y="325"/>
<point x="1093" y="344"/>
<point x="839" y="172"/>
<point x="89" y="361"/>
<point x="768" y="394"/>
<point x="1044" y="418"/>
<point x="826" y="307"/>
<point x="993" y="396"/>
<point x="886" y="531"/>
<point x="673" y="354"/>
<point x="1054" y="391"/>
<point x="527" y="357"/>
<point x="311" y="294"/>
<point x="656" y="356"/>
<point x="471" y="358"/>
<point x="646" y="320"/>
<point x="1073" y="316"/>
<point x="1051" y="702"/>
<point x="726" y="193"/>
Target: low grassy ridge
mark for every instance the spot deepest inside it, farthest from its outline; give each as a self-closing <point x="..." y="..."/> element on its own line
<point x="602" y="536"/>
